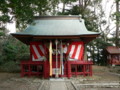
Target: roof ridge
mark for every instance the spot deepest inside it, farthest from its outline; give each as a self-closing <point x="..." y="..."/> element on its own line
<point x="58" y="17"/>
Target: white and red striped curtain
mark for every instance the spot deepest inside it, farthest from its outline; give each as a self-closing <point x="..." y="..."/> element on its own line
<point x="38" y="51"/>
<point x="75" y="51"/>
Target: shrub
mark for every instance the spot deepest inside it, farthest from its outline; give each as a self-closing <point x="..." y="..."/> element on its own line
<point x="10" y="66"/>
<point x="13" y="51"/>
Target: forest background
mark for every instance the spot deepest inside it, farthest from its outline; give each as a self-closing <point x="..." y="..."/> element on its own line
<point x="22" y="12"/>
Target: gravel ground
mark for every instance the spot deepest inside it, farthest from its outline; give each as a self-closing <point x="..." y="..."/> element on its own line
<point x="13" y="81"/>
<point x="101" y="75"/>
<point x="9" y="81"/>
<point x="99" y="89"/>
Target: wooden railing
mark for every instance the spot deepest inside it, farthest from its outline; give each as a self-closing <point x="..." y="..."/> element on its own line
<point x="31" y="68"/>
<point x="79" y="68"/>
<point x="38" y="68"/>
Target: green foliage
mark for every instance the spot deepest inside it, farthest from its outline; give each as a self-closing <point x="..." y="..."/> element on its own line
<point x="13" y="51"/>
<point x="22" y="11"/>
<point x="1" y="33"/>
<point x="10" y="66"/>
<point x="116" y="14"/>
<point x="117" y="0"/>
<point x="4" y="18"/>
<point x="97" y="49"/>
<point x="88" y="15"/>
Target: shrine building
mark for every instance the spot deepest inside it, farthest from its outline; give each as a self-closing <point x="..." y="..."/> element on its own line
<point x="113" y="55"/>
<point x="57" y="47"/>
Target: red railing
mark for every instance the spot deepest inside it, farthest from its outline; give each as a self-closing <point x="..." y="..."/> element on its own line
<point x="31" y="68"/>
<point x="38" y="68"/>
<point x="79" y="68"/>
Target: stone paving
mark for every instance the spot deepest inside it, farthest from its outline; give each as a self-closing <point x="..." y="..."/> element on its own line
<point x="58" y="85"/>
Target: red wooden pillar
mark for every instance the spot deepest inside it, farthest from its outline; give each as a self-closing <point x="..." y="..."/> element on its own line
<point x="69" y="69"/>
<point x="29" y="70"/>
<point x="87" y="69"/>
<point x="45" y="69"/>
<point x="84" y="69"/>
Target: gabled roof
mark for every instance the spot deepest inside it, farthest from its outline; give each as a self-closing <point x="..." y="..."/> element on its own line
<point x="55" y="26"/>
<point x="113" y="50"/>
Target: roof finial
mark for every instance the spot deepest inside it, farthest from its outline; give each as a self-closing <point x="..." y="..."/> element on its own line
<point x="80" y="17"/>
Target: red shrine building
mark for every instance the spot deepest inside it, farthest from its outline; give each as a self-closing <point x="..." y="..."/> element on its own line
<point x="56" y="47"/>
<point x="113" y="55"/>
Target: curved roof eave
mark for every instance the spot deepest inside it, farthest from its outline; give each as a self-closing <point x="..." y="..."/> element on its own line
<point x="56" y="26"/>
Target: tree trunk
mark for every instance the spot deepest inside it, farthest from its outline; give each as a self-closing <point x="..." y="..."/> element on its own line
<point x="117" y="23"/>
<point x="79" y="5"/>
<point x="93" y="55"/>
<point x="98" y="55"/>
<point x="63" y="10"/>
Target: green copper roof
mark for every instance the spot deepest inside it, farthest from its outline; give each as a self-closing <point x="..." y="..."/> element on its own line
<point x="57" y="26"/>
